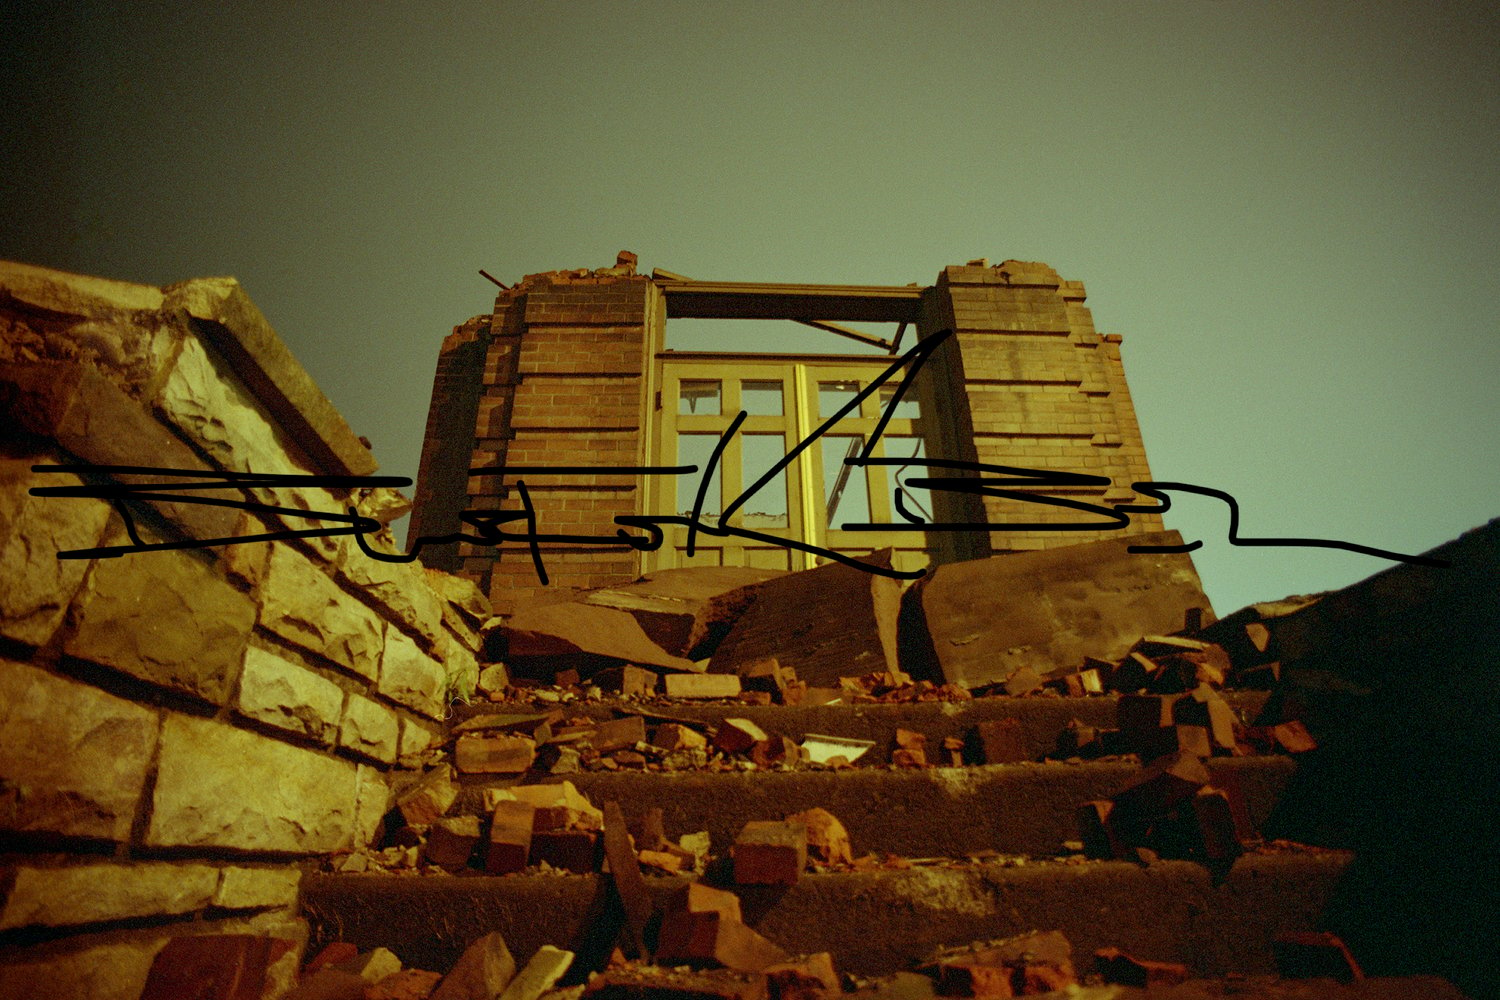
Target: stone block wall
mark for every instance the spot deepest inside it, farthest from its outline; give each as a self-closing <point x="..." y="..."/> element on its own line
<point x="179" y="728"/>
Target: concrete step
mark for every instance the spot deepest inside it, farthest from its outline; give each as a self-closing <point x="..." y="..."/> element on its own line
<point x="872" y="922"/>
<point x="1042" y="718"/>
<point x="921" y="812"/>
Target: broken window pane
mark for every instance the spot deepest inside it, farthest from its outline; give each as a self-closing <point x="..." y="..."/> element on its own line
<point x="907" y="409"/>
<point x="697" y="449"/>
<point x="834" y="396"/>
<point x="767" y="507"/>
<point x="846" y="495"/>
<point x="700" y="397"/>
<point x="761" y="399"/>
<point x="918" y="501"/>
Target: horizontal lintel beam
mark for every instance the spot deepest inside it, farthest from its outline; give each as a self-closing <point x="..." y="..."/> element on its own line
<point x="750" y="300"/>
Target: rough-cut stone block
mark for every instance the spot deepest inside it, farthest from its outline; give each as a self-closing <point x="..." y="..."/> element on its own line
<point x="33" y="530"/>
<point x="275" y="797"/>
<point x="81" y="894"/>
<point x="117" y="326"/>
<point x="74" y="759"/>
<point x="89" y="967"/>
<point x="410" y="676"/>
<point x="401" y="589"/>
<point x="417" y="735"/>
<point x="286" y="695"/>
<point x="204" y="400"/>
<point x="256" y="888"/>
<point x="987" y="618"/>
<point x="303" y="606"/>
<point x="825" y="623"/>
<point x="370" y="729"/>
<point x="430" y="798"/>
<point x="95" y="420"/>
<point x="567" y="627"/>
<point x="223" y="314"/>
<point x="164" y="617"/>
<point x="687" y="611"/>
<point x="372" y="800"/>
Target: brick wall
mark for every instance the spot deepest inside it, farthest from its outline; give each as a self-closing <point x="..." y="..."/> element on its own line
<point x="562" y="383"/>
<point x="179" y="727"/>
<point x="1044" y="391"/>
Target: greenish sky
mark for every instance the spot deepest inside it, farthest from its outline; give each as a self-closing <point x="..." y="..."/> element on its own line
<point x="1291" y="211"/>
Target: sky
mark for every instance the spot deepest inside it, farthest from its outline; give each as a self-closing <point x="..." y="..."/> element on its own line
<point x="1290" y="211"/>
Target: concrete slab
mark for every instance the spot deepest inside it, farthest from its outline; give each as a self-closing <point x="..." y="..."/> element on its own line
<point x="978" y="622"/>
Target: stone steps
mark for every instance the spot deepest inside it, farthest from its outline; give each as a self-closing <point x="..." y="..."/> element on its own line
<point x="922" y="812"/>
<point x="872" y="922"/>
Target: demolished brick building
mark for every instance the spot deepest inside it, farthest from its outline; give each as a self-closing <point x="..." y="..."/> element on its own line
<point x="571" y="369"/>
<point x="205" y="742"/>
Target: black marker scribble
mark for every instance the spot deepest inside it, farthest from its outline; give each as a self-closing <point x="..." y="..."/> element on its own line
<point x="489" y="525"/>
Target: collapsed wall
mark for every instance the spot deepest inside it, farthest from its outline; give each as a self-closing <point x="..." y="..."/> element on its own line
<point x="182" y="725"/>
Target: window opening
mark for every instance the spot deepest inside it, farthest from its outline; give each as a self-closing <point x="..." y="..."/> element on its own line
<point x="767" y="507"/>
<point x="698" y="449"/>
<point x="699" y="397"/>
<point x="761" y="398"/>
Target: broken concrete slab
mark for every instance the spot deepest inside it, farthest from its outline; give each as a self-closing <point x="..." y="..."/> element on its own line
<point x="688" y="611"/>
<point x="825" y="623"/>
<point x="979" y="622"/>
<point x="562" y="628"/>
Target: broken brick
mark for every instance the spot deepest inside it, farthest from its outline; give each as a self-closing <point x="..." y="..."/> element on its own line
<point x="618" y="734"/>
<point x="494" y="754"/>
<point x="510" y="838"/>
<point x="1154" y="743"/>
<point x="451" y="841"/>
<point x="1144" y="711"/>
<point x="702" y="925"/>
<point x="768" y="852"/>
<point x="827" y="840"/>
<point x="738" y="735"/>
<point x="701" y="685"/>
<point x="675" y="736"/>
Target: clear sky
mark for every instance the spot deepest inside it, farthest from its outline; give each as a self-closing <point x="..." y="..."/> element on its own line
<point x="1291" y="211"/>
